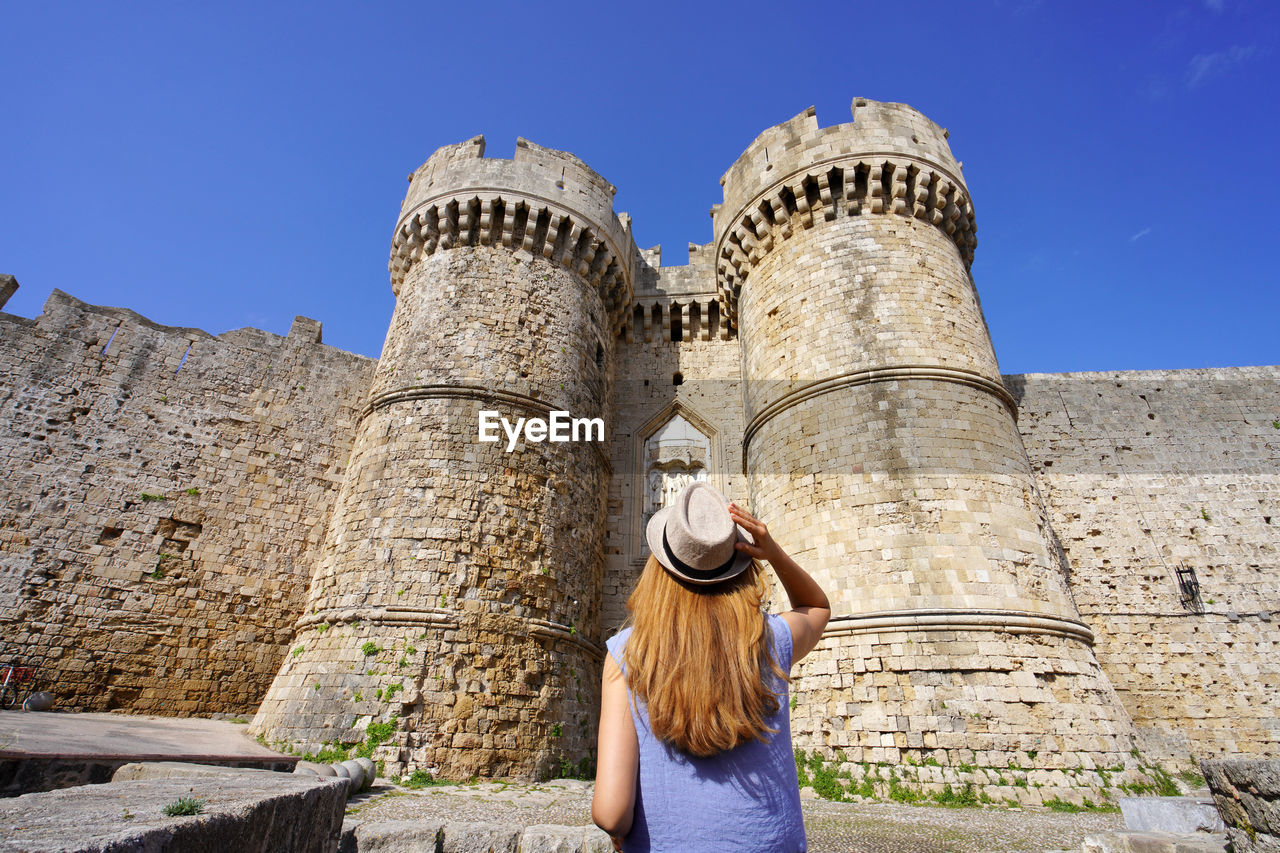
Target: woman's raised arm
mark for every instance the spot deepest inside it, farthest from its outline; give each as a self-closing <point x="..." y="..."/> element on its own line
<point x="810" y="608"/>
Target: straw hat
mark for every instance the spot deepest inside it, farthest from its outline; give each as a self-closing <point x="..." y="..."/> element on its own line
<point x="694" y="537"/>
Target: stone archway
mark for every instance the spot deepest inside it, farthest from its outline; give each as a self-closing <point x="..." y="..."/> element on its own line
<point x="675" y="455"/>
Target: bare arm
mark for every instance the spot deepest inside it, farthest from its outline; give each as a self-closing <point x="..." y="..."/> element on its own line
<point x="618" y="757"/>
<point x="810" y="608"/>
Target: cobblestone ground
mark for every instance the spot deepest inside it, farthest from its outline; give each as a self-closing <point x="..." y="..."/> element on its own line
<point x="831" y="827"/>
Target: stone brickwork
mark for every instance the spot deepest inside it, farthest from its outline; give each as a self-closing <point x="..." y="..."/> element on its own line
<point x="165" y="492"/>
<point x="676" y="358"/>
<point x="476" y="572"/>
<point x="891" y="159"/>
<point x="1149" y="472"/>
<point x="1013" y="561"/>
<point x="880" y="437"/>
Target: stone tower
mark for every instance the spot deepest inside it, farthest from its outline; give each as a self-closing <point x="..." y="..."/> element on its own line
<point x="458" y="595"/>
<point x="880" y="437"/>
<point x="189" y="522"/>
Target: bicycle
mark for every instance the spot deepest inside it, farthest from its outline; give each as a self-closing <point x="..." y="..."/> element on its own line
<point x="11" y="678"/>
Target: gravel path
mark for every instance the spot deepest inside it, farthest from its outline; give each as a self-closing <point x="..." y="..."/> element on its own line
<point x="831" y="827"/>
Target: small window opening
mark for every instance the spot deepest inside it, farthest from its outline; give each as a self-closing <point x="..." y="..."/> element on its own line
<point x="677" y="330"/>
<point x="599" y="356"/>
<point x="677" y="378"/>
<point x="1189" y="589"/>
<point x="184" y="359"/>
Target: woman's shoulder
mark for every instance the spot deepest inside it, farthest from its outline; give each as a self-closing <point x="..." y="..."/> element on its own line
<point x="617" y="643"/>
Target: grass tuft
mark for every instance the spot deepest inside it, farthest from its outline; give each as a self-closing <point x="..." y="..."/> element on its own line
<point x="422" y="779"/>
<point x="184" y="806"/>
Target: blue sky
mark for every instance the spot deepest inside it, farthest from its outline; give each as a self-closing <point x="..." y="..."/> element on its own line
<point x="235" y="164"/>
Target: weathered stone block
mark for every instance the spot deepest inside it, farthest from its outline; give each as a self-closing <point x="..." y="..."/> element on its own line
<point x="469" y="837"/>
<point x="255" y="811"/>
<point x="1153" y="842"/>
<point x="391" y="836"/>
<point x="1247" y="794"/>
<point x="1171" y="814"/>
<point x="549" y="838"/>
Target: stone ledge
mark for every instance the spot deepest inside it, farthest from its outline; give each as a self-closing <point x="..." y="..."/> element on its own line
<point x="253" y="811"/>
<point x="1171" y="814"/>
<point x="408" y="836"/>
<point x="1154" y="842"/>
<point x="28" y="773"/>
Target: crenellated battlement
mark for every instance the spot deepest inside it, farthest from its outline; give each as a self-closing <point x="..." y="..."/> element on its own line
<point x="533" y="169"/>
<point x="110" y="328"/>
<point x="889" y="160"/>
<point x="542" y="202"/>
<point x="877" y="128"/>
<point x="676" y="303"/>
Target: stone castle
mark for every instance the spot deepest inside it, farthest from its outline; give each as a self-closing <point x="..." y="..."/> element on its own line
<point x="1041" y="583"/>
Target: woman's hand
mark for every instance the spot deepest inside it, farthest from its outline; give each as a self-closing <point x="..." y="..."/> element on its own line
<point x="765" y="547"/>
<point x="810" y="608"/>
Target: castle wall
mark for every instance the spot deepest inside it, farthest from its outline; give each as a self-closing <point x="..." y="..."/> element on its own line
<point x="164" y="493"/>
<point x="1005" y="617"/>
<point x="1144" y="472"/>
<point x="706" y="360"/>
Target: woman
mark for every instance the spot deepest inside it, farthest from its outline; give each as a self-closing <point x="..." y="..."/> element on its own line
<point x="695" y="740"/>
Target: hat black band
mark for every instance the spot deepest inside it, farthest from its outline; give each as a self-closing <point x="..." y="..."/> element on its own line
<point x="697" y="574"/>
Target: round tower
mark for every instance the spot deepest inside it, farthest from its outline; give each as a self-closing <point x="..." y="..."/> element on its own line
<point x="882" y="443"/>
<point x="454" y="616"/>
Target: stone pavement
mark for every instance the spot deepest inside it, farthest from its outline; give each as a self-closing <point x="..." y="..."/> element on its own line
<point x="55" y="733"/>
<point x="48" y="750"/>
<point x="831" y="827"/>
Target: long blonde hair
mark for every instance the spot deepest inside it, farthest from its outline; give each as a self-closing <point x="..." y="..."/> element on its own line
<point x="697" y="656"/>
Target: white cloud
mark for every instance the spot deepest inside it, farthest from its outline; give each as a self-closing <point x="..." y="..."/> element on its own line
<point x="1206" y="66"/>
<point x="1136" y="237"/>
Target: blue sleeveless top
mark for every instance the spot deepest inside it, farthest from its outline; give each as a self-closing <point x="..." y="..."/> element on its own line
<point x="745" y="799"/>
